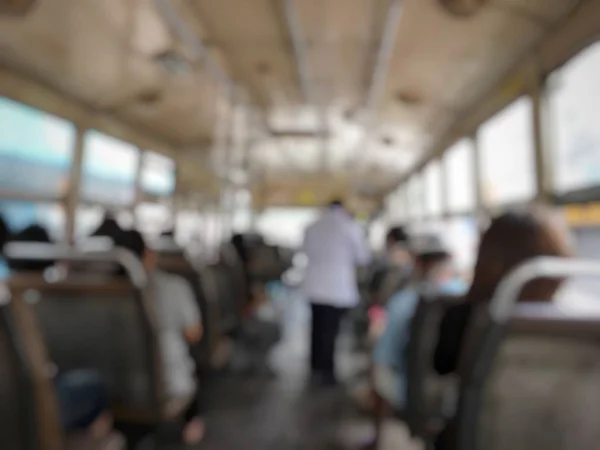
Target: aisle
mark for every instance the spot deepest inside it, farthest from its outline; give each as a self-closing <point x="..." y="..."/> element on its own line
<point x="284" y="413"/>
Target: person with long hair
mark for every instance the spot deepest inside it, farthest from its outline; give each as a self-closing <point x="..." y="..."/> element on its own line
<point x="511" y="239"/>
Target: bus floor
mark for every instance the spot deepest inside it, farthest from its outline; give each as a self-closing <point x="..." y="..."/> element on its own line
<point x="284" y="412"/>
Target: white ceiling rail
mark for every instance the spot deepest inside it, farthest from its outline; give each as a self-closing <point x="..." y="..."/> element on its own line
<point x="193" y="41"/>
<point x="299" y="47"/>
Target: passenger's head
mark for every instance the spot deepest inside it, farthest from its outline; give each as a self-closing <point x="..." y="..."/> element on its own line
<point x="33" y="233"/>
<point x="429" y="253"/>
<point x="396" y="235"/>
<point x="513" y="238"/>
<point x="133" y="241"/>
<point x="336" y="204"/>
<point x="109" y="227"/>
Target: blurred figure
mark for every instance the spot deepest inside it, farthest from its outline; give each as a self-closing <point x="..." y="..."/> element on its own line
<point x="33" y="233"/>
<point x="108" y="227"/>
<point x="432" y="273"/>
<point x="180" y="326"/>
<point x="397" y="256"/>
<point x="512" y="238"/>
<point x="334" y="245"/>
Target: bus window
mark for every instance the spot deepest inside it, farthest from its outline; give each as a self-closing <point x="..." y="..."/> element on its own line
<point x="575" y="101"/>
<point x="432" y="178"/>
<point x="460" y="182"/>
<point x="415" y="197"/>
<point x="396" y="207"/>
<point x="158" y="174"/>
<point x="506" y="148"/>
<point x="152" y="219"/>
<point x="36" y="150"/>
<point x="89" y="217"/>
<point x="19" y="215"/>
<point x="109" y="170"/>
<point x="285" y="226"/>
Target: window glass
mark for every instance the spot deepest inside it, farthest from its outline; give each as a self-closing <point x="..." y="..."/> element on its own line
<point x="35" y="150"/>
<point x="152" y="219"/>
<point x="415" y="198"/>
<point x="432" y="177"/>
<point x="460" y="182"/>
<point x="109" y="170"/>
<point x="507" y="155"/>
<point x="285" y="226"/>
<point x="575" y="101"/>
<point x="158" y="174"/>
<point x="396" y="207"/>
<point x="19" y="215"/>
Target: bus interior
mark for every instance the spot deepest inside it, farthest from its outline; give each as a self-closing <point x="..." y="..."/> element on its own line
<point x="220" y="130"/>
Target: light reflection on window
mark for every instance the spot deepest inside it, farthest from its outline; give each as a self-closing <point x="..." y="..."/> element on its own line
<point x="460" y="182"/>
<point x="575" y="102"/>
<point x="432" y="177"/>
<point x="109" y="169"/>
<point x="506" y="148"/>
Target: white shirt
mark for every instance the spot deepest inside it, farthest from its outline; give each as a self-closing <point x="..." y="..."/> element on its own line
<point x="176" y="310"/>
<point x="335" y="245"/>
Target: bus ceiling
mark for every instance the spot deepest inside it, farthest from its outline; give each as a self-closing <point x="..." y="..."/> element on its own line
<point x="361" y="94"/>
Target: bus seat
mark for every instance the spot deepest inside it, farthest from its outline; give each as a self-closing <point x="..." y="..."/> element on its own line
<point x="426" y="391"/>
<point x="106" y="325"/>
<point x="20" y="378"/>
<point x="534" y="383"/>
<point x="230" y="306"/>
<point x="29" y="411"/>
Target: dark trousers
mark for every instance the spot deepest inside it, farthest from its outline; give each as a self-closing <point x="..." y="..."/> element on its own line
<point x="326" y="321"/>
<point x="82" y="396"/>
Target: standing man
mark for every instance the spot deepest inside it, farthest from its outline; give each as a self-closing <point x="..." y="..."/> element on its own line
<point x="335" y="245"/>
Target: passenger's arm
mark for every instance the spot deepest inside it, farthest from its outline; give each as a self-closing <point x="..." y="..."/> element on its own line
<point x="452" y="331"/>
<point x="190" y="316"/>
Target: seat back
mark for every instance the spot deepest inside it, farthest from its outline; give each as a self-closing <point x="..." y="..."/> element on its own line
<point x="532" y="383"/>
<point x="230" y="306"/>
<point x="29" y="413"/>
<point x="425" y="390"/>
<point x="104" y="324"/>
<point x="199" y="281"/>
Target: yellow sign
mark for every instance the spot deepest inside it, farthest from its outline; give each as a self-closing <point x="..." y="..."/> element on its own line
<point x="583" y="215"/>
<point x="307" y="198"/>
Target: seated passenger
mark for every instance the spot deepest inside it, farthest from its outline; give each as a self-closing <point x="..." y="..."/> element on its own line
<point x="82" y="394"/>
<point x="180" y="325"/>
<point x="511" y="239"/>
<point x="432" y="270"/>
<point x="396" y="255"/>
<point x="109" y="226"/>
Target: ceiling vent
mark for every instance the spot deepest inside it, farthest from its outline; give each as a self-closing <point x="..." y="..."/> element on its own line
<point x="15" y="7"/>
<point x="463" y="8"/>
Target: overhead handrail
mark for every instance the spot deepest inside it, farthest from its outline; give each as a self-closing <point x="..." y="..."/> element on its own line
<point x="53" y="252"/>
<point x="507" y="292"/>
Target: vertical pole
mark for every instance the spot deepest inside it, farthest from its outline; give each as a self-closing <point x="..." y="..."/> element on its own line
<point x="543" y="169"/>
<point x="444" y="194"/>
<point x="480" y="203"/>
<point x="71" y="200"/>
<point x="139" y="194"/>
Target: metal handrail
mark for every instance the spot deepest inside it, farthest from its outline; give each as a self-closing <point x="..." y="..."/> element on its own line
<point x="507" y="292"/>
<point x="50" y="252"/>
